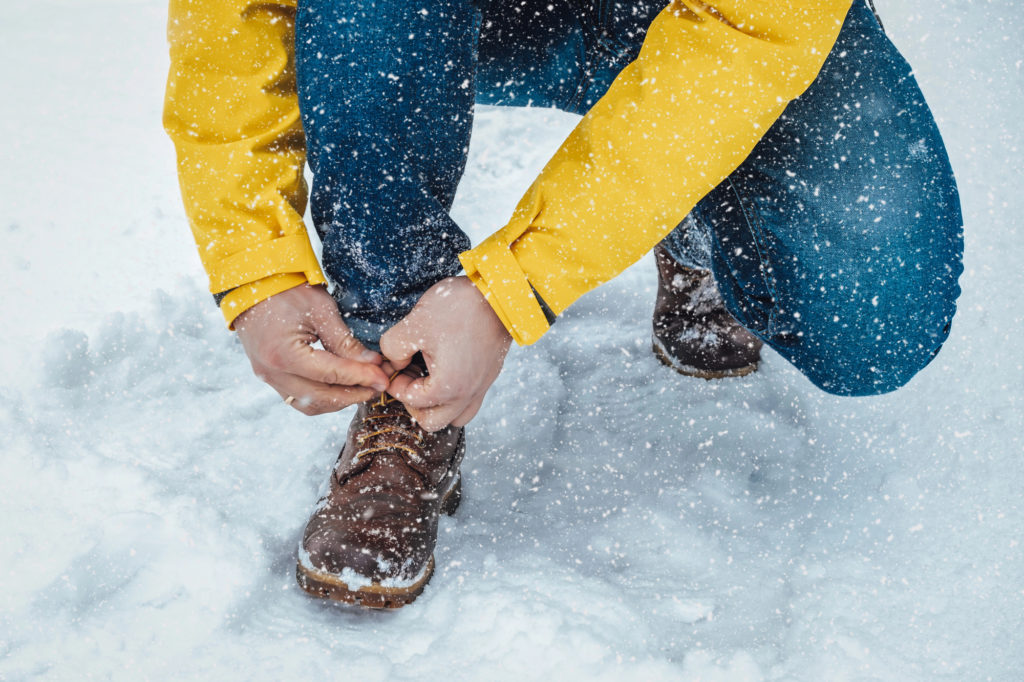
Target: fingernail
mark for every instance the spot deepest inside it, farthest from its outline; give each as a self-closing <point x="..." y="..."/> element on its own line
<point x="368" y="356"/>
<point x="381" y="386"/>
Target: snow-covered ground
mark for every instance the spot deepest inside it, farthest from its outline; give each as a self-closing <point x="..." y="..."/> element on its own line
<point x="620" y="522"/>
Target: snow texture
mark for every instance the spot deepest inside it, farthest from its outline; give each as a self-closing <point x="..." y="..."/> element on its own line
<point x="619" y="521"/>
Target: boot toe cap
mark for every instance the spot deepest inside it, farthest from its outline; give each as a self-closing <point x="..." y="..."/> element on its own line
<point x="376" y="554"/>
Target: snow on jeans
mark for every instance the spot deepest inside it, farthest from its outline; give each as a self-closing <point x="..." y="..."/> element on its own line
<point x="838" y="241"/>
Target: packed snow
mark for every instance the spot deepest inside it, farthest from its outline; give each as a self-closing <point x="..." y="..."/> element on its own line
<point x="619" y="521"/>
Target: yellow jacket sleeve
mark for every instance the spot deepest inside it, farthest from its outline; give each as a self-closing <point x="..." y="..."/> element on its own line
<point x="232" y="111"/>
<point x="711" y="78"/>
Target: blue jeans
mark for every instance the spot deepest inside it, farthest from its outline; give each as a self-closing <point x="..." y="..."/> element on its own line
<point x="838" y="241"/>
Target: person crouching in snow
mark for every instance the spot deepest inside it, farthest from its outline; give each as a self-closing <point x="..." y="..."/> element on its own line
<point x="778" y="157"/>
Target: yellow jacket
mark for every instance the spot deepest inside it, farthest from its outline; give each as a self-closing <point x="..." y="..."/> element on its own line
<point x="710" y="80"/>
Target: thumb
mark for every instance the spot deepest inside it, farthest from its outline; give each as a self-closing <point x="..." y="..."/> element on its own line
<point x="338" y="339"/>
<point x="414" y="392"/>
<point x="328" y="368"/>
<point x="398" y="345"/>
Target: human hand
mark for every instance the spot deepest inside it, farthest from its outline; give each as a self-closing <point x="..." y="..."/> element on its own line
<point x="278" y="336"/>
<point x="464" y="345"/>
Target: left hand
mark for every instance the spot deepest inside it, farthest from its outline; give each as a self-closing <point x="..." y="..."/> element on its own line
<point x="278" y="336"/>
<point x="464" y="345"/>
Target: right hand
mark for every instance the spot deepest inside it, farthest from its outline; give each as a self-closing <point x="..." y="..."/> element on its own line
<point x="278" y="336"/>
<point x="464" y="345"/>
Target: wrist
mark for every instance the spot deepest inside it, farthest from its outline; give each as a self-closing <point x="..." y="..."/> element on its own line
<point x="243" y="298"/>
<point x="487" y="311"/>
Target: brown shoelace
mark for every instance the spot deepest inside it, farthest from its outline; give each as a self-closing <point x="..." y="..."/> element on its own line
<point x="401" y="436"/>
<point x="416" y="435"/>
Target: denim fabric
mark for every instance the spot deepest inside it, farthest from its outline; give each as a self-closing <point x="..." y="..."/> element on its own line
<point x="386" y="94"/>
<point x="838" y="241"/>
<point x="386" y="90"/>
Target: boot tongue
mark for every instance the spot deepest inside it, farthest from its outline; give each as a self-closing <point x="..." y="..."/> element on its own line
<point x="388" y="469"/>
<point x="390" y="457"/>
<point x="388" y="432"/>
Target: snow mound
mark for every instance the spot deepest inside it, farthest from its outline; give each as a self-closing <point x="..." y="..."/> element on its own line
<point x="619" y="521"/>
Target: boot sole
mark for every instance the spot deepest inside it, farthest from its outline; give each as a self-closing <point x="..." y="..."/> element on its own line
<point x="374" y="595"/>
<point x="690" y="371"/>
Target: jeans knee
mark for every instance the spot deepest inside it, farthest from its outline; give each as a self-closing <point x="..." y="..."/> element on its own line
<point x="852" y="376"/>
<point x="869" y="351"/>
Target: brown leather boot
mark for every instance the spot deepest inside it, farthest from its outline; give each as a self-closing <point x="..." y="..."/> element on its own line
<point x="693" y="332"/>
<point x="371" y="539"/>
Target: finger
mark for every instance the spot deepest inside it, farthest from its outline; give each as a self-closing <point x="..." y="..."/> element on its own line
<point x="416" y="393"/>
<point x="397" y="347"/>
<point x="312" y="398"/>
<point x="338" y="338"/>
<point x="468" y="414"/>
<point x="399" y="385"/>
<point x="436" y="418"/>
<point x="327" y="368"/>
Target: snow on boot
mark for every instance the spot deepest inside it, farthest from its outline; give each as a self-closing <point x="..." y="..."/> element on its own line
<point x="371" y="539"/>
<point x="693" y="332"/>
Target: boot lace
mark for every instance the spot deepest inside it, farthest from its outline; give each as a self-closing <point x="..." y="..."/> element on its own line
<point x="407" y="436"/>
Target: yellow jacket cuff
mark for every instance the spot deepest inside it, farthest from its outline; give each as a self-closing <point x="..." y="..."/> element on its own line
<point x="237" y="301"/>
